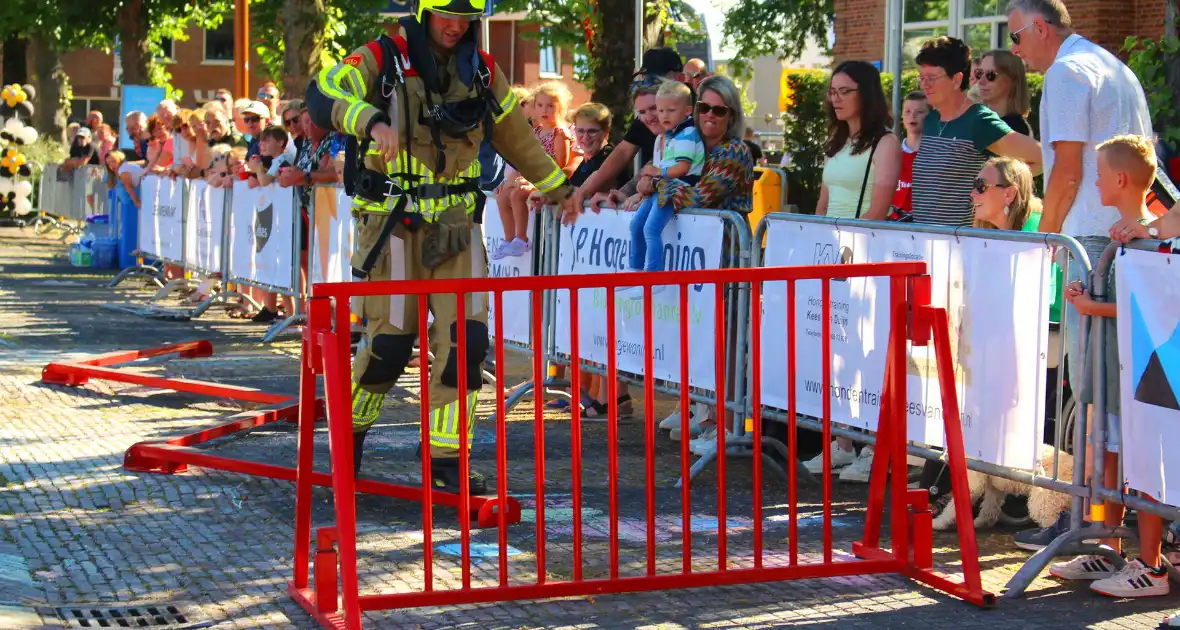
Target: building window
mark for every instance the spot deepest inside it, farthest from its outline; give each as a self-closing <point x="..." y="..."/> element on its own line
<point x="981" y="23"/>
<point x="549" y="62"/>
<point x="80" y="109"/>
<point x="219" y="42"/>
<point x="167" y="51"/>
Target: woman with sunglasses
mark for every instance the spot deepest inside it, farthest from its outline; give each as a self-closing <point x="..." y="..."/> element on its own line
<point x="183" y="143"/>
<point x="1003" y="196"/>
<point x="863" y="156"/>
<point x="1003" y="87"/>
<point x="291" y="114"/>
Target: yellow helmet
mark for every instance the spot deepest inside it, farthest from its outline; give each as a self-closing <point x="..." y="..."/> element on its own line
<point x="472" y="9"/>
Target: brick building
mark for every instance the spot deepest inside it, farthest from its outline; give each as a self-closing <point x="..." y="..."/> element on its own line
<point x="864" y="28"/>
<point x="203" y="63"/>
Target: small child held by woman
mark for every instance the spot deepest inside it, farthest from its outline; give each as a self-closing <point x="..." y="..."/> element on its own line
<point x="679" y="158"/>
<point x="550" y="103"/>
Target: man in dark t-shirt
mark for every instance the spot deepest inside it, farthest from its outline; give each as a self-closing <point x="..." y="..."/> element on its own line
<point x="639" y="139"/>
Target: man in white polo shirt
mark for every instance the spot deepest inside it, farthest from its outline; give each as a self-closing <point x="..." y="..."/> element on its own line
<point x="1089" y="97"/>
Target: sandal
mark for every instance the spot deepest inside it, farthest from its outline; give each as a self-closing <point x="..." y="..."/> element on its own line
<point x="599" y="412"/>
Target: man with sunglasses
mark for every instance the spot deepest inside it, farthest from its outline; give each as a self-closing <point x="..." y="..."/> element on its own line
<point x="1090" y="96"/>
<point x="268" y="95"/>
<point x="658" y="64"/>
<point x="254" y="118"/>
<point x="695" y="71"/>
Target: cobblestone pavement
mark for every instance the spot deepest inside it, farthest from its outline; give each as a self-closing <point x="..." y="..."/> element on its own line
<point x="78" y="531"/>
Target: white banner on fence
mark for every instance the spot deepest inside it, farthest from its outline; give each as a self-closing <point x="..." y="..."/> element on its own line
<point x="332" y="236"/>
<point x="1148" y="299"/>
<point x="517" y="305"/>
<point x="996" y="295"/>
<point x="161" y="218"/>
<point x="599" y="243"/>
<point x="262" y="248"/>
<point x="205" y="214"/>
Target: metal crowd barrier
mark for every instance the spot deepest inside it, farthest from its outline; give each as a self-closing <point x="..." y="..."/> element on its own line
<point x="65" y="203"/>
<point x="1094" y="489"/>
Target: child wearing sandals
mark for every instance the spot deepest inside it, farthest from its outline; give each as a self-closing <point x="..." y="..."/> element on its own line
<point x="550" y="103"/>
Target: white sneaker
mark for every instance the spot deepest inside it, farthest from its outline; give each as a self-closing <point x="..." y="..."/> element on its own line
<point x="859" y="470"/>
<point x="840" y="459"/>
<point x="517" y="248"/>
<point x="707" y="443"/>
<point x="700" y="412"/>
<point x="1083" y="568"/>
<point x="1135" y="579"/>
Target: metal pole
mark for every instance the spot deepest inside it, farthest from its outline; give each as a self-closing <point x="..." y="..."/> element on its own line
<point x="638" y="34"/>
<point x="897" y="25"/>
<point x="241" y="48"/>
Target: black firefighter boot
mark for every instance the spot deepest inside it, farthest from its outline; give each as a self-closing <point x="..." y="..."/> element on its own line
<point x="358" y="451"/>
<point x="444" y="475"/>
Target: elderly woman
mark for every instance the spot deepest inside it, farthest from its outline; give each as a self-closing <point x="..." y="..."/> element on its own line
<point x="727" y="183"/>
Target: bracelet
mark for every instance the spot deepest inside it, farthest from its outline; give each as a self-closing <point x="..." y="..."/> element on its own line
<point x="307" y="177"/>
<point x="665" y="172"/>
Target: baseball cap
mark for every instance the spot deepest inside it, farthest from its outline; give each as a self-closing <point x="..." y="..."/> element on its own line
<point x="661" y="61"/>
<point x="257" y="108"/>
<point x="83" y="132"/>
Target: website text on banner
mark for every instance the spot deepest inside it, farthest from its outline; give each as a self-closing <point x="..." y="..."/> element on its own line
<point x="204" y="218"/>
<point x="517" y="308"/>
<point x="262" y="236"/>
<point x="600" y="244"/>
<point x="994" y="292"/>
<point x="1148" y="300"/>
<point x="161" y="219"/>
<point x="332" y="232"/>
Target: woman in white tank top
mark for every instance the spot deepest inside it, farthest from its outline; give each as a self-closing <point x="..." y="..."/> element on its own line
<point x="864" y="158"/>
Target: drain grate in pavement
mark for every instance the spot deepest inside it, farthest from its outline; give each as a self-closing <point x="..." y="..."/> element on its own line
<point x="145" y="616"/>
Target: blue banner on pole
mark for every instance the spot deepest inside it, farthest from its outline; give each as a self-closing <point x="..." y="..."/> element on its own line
<point x="142" y="98"/>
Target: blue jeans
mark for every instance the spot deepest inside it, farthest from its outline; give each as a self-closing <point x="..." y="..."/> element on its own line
<point x="647" y="249"/>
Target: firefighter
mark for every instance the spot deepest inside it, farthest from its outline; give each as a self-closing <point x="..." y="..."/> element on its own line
<point x="419" y="105"/>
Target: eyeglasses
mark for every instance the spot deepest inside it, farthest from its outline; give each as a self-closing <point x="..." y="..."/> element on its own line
<point x="981" y="185"/>
<point x="926" y="79"/>
<point x="842" y="93"/>
<point x="720" y="111"/>
<point x="990" y="75"/>
<point x="287" y="122"/>
<point x="1015" y="35"/>
<point x="693" y="76"/>
<point x="267" y="96"/>
<point x="251" y="119"/>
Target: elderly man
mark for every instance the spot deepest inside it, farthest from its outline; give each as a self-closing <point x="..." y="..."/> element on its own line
<point x="165" y="111"/>
<point x="1089" y="97"/>
<point x="695" y="71"/>
<point x="136" y="125"/>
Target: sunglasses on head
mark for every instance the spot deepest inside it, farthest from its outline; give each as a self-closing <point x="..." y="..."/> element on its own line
<point x="981" y="185"/>
<point x="991" y="75"/>
<point x="718" y="110"/>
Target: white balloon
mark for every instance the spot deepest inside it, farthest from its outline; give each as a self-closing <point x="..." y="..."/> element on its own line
<point x="6" y="186"/>
<point x="23" y="189"/>
<point x="27" y="134"/>
<point x="13" y="125"/>
<point x="22" y="205"/>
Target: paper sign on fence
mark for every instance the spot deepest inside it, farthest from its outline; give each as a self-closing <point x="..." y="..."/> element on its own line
<point x="598" y="244"/>
<point x="995" y="293"/>
<point x="1148" y="298"/>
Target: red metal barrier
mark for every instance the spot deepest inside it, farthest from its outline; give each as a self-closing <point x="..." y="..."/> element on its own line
<point x="911" y="318"/>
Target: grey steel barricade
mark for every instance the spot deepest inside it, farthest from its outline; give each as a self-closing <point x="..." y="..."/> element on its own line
<point x="55" y="201"/>
<point x="225" y="295"/>
<point x="1050" y="478"/>
<point x="1071" y="542"/>
<point x="735" y="253"/>
<point x="295" y="289"/>
<point x="164" y="246"/>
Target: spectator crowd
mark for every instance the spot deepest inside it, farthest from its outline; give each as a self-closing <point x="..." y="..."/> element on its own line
<point x="966" y="157"/>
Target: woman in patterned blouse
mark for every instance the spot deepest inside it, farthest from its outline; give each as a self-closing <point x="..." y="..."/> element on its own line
<point x="727" y="182"/>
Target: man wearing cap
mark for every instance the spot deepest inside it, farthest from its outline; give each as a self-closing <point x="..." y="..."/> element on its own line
<point x="82" y="151"/>
<point x="640" y="138"/>
<point x="420" y="105"/>
<point x="254" y="118"/>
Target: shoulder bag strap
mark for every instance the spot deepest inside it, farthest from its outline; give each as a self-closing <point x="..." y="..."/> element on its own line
<point x="864" y="183"/>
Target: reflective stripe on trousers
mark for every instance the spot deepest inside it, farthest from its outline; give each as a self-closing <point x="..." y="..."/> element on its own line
<point x="444" y="424"/>
<point x="366" y="406"/>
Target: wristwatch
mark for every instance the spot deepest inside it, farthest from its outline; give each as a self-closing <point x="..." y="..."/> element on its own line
<point x="1153" y="232"/>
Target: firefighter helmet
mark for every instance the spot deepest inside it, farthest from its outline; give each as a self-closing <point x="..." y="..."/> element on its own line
<point x="472" y="9"/>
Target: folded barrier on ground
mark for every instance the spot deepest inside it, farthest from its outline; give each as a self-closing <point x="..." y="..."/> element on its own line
<point x="911" y="319"/>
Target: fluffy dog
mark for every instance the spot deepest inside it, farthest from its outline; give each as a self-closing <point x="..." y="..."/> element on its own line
<point x="1043" y="505"/>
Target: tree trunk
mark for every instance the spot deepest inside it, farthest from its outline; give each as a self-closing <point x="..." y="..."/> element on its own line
<point x="303" y="40"/>
<point x="135" y="54"/>
<point x="15" y="62"/>
<point x="51" y="107"/>
<point x="615" y="55"/>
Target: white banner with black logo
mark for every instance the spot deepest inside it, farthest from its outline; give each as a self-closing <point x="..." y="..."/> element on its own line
<point x="996" y="295"/>
<point x="262" y="247"/>
<point x="161" y="218"/>
<point x="204" y="214"/>
<point x="598" y="244"/>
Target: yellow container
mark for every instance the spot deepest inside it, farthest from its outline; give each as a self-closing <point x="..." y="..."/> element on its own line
<point x="769" y="196"/>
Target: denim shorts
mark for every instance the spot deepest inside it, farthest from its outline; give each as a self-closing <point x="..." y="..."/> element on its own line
<point x="1077" y="349"/>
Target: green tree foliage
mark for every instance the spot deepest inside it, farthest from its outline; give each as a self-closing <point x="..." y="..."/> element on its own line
<point x="755" y="28"/>
<point x="1153" y="61"/>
